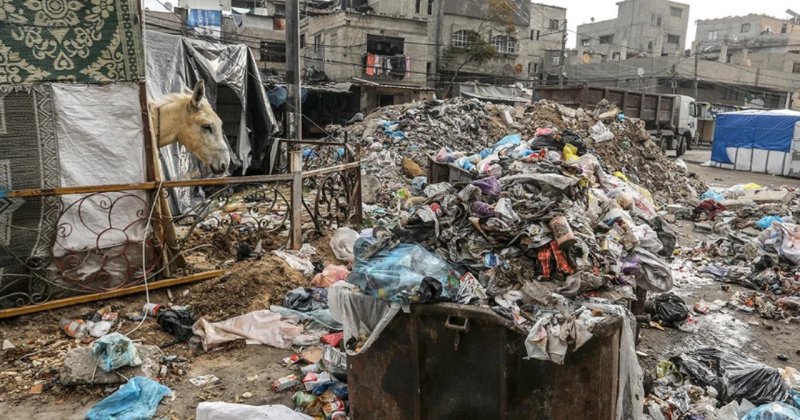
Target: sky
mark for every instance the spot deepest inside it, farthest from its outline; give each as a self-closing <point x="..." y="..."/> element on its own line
<point x="581" y="11"/>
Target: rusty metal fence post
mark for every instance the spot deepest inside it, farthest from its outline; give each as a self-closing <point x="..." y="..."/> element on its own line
<point x="296" y="167"/>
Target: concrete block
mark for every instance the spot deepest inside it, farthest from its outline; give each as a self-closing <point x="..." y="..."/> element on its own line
<point x="80" y="367"/>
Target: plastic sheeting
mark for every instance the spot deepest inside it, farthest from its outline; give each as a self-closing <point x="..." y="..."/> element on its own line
<point x="100" y="144"/>
<point x="259" y="327"/>
<point x="229" y="411"/>
<point x="765" y="130"/>
<point x="136" y="400"/>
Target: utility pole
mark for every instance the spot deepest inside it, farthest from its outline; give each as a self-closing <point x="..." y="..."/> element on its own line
<point x="294" y="115"/>
<point x="696" y="65"/>
<point x="563" y="55"/>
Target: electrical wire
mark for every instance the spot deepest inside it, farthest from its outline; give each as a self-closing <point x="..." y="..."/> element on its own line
<point x="144" y="256"/>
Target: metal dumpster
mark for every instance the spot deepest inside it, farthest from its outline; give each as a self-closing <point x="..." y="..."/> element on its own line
<point x="445" y="172"/>
<point x="448" y="361"/>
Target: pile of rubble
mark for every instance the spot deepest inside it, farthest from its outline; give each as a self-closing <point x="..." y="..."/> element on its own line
<point x="397" y="142"/>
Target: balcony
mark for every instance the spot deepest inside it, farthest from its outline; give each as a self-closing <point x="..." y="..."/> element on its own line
<point x="386" y="67"/>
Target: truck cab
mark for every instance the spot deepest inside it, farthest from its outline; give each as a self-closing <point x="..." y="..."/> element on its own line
<point x="686" y="114"/>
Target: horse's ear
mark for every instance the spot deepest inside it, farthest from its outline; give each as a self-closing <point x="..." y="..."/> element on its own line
<point x="198" y="94"/>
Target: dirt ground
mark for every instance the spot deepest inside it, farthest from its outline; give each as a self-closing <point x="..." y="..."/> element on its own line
<point x="250" y="369"/>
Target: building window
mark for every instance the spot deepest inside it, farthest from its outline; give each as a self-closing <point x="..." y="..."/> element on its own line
<point x="650" y="47"/>
<point x="673" y="39"/>
<point x="273" y="51"/>
<point x="658" y="20"/>
<point x="606" y="39"/>
<point x="463" y="38"/>
<point x="428" y="71"/>
<point x="532" y="34"/>
<point x="317" y="43"/>
<point x="586" y="42"/>
<point x="713" y="35"/>
<point x="302" y="40"/>
<point x="418" y="6"/>
<point x="505" y="44"/>
<point x="796" y="68"/>
<point x="553" y="24"/>
<point x="676" y="11"/>
<point x="530" y="65"/>
<point x="745" y="28"/>
<point x="556" y="61"/>
<point x="384" y="45"/>
<point x="653" y="19"/>
<point x="535" y="68"/>
<point x="430" y="7"/>
<point x="537" y="35"/>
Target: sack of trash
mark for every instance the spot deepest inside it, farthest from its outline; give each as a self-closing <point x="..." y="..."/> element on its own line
<point x="733" y="375"/>
<point x="669" y="309"/>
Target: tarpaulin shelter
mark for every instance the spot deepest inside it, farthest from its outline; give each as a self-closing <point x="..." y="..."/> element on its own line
<point x="758" y="141"/>
<point x="233" y="88"/>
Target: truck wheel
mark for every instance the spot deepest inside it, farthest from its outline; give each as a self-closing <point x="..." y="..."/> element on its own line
<point x="662" y="143"/>
<point x="681" y="149"/>
<point x="689" y="142"/>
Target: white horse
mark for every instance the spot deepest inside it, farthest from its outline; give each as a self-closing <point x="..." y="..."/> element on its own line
<point x="187" y="118"/>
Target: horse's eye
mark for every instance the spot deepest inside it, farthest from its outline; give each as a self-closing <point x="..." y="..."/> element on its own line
<point x="208" y="128"/>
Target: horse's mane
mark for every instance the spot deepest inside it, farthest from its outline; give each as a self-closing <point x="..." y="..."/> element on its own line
<point x="172" y="97"/>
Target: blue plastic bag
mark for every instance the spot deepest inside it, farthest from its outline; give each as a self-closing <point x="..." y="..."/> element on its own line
<point x="773" y="411"/>
<point x="511" y="139"/>
<point x="766" y="221"/>
<point x="136" y="400"/>
<point x="395" y="274"/>
<point x="712" y="195"/>
<point x="115" y="351"/>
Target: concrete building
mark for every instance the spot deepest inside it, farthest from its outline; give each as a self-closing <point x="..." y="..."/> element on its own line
<point x="383" y="55"/>
<point x="641" y="28"/>
<point x="753" y="41"/>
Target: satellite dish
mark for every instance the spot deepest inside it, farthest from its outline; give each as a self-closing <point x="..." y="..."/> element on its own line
<point x="586" y="58"/>
<point x="640" y="72"/>
<point x="592" y="19"/>
<point x="168" y="6"/>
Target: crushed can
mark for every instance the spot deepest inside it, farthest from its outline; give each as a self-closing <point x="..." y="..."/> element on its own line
<point x="151" y="309"/>
<point x="282" y="384"/>
<point x="332" y="408"/>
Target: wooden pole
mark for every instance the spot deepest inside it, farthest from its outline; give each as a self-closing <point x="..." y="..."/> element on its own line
<point x="62" y="303"/>
<point x="296" y="166"/>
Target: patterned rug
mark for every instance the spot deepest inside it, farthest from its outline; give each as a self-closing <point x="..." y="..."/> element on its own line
<point x="28" y="159"/>
<point x="70" y="40"/>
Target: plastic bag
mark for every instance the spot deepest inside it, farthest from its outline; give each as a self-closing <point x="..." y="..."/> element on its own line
<point x="229" y="411"/>
<point x="670" y="309"/>
<point x="601" y="133"/>
<point x="785" y="238"/>
<point x="395" y="274"/>
<point x="766" y="221"/>
<point x="342" y="243"/>
<point x="259" y="327"/>
<point x="570" y="153"/>
<point x="136" y="400"/>
<point x="648" y="238"/>
<point x="299" y="260"/>
<point x="575" y="140"/>
<point x="652" y="274"/>
<point x="418" y="185"/>
<point x="712" y="195"/>
<point x="489" y="186"/>
<point x="733" y="375"/>
<point x="773" y="411"/>
<point x="176" y="322"/>
<point x="115" y="351"/>
<point x="509" y="140"/>
<point x="330" y="274"/>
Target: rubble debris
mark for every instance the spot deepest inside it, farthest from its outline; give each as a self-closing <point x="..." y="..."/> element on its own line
<point x="204" y="380"/>
<point x="248" y="286"/>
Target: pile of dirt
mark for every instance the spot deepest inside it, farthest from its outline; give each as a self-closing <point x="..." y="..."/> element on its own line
<point x="248" y="286"/>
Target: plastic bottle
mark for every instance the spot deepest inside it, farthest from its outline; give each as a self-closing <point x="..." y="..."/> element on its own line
<point x="76" y="328"/>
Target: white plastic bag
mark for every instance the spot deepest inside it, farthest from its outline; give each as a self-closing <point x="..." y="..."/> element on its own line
<point x="342" y="243"/>
<point x="601" y="133"/>
<point x="229" y="411"/>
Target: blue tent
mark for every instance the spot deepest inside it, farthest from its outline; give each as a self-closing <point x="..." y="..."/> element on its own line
<point x="765" y="130"/>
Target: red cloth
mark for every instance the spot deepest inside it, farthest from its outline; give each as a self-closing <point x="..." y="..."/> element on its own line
<point x="370" y="64"/>
<point x="544" y="260"/>
<point x="561" y="259"/>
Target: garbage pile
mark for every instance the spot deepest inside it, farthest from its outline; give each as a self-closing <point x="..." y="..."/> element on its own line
<point x="397" y="142"/>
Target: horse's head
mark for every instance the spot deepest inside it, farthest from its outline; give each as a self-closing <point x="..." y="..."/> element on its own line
<point x="201" y="131"/>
